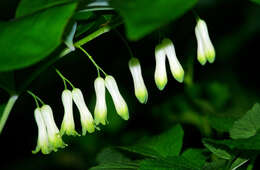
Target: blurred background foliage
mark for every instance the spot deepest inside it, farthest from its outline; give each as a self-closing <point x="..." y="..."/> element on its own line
<point x="206" y="105"/>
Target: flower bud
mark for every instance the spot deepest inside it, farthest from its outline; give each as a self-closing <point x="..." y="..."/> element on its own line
<point x="119" y="102"/>
<point x="203" y="39"/>
<point x="200" y="51"/>
<point x="160" y="75"/>
<point x="55" y="140"/>
<point x="175" y="66"/>
<point x="67" y="126"/>
<point x="140" y="88"/>
<point x="100" y="112"/>
<point x="86" y="118"/>
<point x="42" y="142"/>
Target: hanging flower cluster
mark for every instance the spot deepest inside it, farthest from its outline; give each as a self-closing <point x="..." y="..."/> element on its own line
<point x="50" y="137"/>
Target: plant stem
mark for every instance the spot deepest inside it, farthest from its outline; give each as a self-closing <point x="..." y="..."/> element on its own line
<point x="7" y="111"/>
<point x="66" y="51"/>
<point x="92" y="60"/>
<point x="35" y="98"/>
<point x="64" y="79"/>
<point x="90" y="37"/>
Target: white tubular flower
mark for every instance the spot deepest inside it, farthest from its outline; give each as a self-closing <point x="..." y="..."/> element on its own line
<point x="67" y="126"/>
<point x="160" y="75"/>
<point x="86" y="118"/>
<point x="201" y="57"/>
<point x="42" y="142"/>
<point x="55" y="140"/>
<point x="140" y="88"/>
<point x="100" y="112"/>
<point x="175" y="66"/>
<point x="119" y="102"/>
<point x="205" y="47"/>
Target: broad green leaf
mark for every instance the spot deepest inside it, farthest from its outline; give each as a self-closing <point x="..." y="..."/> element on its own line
<point x="252" y="143"/>
<point x="142" y="150"/>
<point x="111" y="159"/>
<point x="218" y="150"/>
<point x="169" y="163"/>
<point x="221" y="123"/>
<point x="218" y="164"/>
<point x="7" y="82"/>
<point x="238" y="162"/>
<point x="26" y="41"/>
<point x="166" y="144"/>
<point x="256" y="1"/>
<point x="109" y="155"/>
<point x="115" y="166"/>
<point x="248" y="125"/>
<point x="141" y="17"/>
<point x="195" y="157"/>
<point x="27" y="7"/>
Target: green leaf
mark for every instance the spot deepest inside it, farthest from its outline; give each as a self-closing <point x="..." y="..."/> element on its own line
<point x="111" y="155"/>
<point x="248" y="125"/>
<point x="166" y="144"/>
<point x="114" y="166"/>
<point x="27" y="40"/>
<point x="143" y="16"/>
<point x="27" y="7"/>
<point x="111" y="159"/>
<point x="221" y="123"/>
<point x="169" y="163"/>
<point x="238" y="162"/>
<point x="142" y="150"/>
<point x="256" y="1"/>
<point x="218" y="164"/>
<point x="195" y="157"/>
<point x="252" y="143"/>
<point x="218" y="150"/>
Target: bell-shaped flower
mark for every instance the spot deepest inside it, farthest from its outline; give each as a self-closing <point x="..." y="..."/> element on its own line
<point x="160" y="75"/>
<point x="54" y="137"/>
<point x="205" y="48"/>
<point x="119" y="102"/>
<point x="86" y="118"/>
<point x="42" y="142"/>
<point x="67" y="126"/>
<point x="175" y="66"/>
<point x="100" y="112"/>
<point x="140" y="88"/>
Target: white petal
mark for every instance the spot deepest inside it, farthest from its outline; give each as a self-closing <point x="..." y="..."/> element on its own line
<point x="67" y="125"/>
<point x="86" y="118"/>
<point x="208" y="47"/>
<point x="42" y="143"/>
<point x="101" y="107"/>
<point x="201" y="56"/>
<point x="140" y="88"/>
<point x="54" y="137"/>
<point x="160" y="75"/>
<point x="175" y="66"/>
<point x="119" y="102"/>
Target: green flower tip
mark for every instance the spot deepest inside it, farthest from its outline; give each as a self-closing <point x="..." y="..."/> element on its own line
<point x="88" y="127"/>
<point x="142" y="95"/>
<point x="100" y="117"/>
<point x="202" y="59"/>
<point x="179" y="76"/>
<point x="161" y="82"/>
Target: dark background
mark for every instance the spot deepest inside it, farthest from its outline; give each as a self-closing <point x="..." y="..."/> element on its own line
<point x="229" y="86"/>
